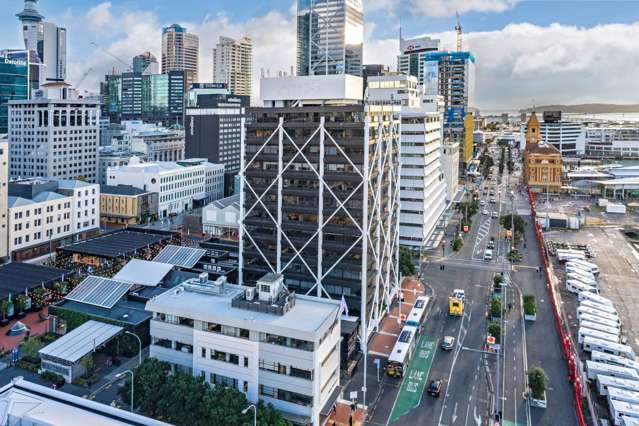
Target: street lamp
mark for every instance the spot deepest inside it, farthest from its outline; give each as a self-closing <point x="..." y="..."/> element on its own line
<point x="140" y="343"/>
<point x="244" y="411"/>
<point x="120" y="375"/>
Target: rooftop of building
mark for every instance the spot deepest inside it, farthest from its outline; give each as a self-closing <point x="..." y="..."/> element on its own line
<point x="430" y="56"/>
<point x="542" y="149"/>
<point x="118" y="243"/>
<point x="16" y="277"/>
<point x="125" y="310"/>
<point x="137" y="166"/>
<point x="306" y="318"/>
<point x="121" y="190"/>
<point x="233" y="200"/>
<point x="312" y="88"/>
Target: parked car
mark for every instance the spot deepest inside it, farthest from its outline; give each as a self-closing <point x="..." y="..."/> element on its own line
<point x="435" y="388"/>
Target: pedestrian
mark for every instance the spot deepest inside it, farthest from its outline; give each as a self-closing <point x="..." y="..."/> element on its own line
<point x="510" y="306"/>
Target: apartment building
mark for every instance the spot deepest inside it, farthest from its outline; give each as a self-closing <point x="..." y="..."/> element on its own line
<point x="55" y="135"/>
<point x="180" y="185"/>
<point x="128" y="205"/>
<point x="180" y="52"/>
<point x="43" y="214"/>
<point x="233" y="64"/>
<point x="269" y="343"/>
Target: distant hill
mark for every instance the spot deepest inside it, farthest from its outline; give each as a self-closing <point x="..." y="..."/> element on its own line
<point x="586" y="108"/>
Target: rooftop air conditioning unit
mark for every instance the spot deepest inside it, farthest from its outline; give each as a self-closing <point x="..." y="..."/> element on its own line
<point x="249" y="293"/>
<point x="203" y="277"/>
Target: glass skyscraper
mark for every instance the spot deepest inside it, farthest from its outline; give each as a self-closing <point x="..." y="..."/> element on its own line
<point x="330" y="37"/>
<point x="14" y="85"/>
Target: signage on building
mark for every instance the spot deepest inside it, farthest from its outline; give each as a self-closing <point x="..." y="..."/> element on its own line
<point x="9" y="61"/>
<point x="208" y="86"/>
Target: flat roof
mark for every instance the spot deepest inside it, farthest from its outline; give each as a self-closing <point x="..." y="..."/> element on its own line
<point x="15" y="277"/>
<point x="33" y="403"/>
<point x="143" y="272"/>
<point x="121" y="190"/>
<point x="124" y="311"/>
<point x="307" y="319"/>
<point x="71" y="347"/>
<point x="115" y="244"/>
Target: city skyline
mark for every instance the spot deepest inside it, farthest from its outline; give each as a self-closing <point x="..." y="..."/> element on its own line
<point x="526" y="54"/>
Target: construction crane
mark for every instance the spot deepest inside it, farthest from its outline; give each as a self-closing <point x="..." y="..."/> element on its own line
<point x="84" y="75"/>
<point x="458" y="30"/>
<point x="127" y="65"/>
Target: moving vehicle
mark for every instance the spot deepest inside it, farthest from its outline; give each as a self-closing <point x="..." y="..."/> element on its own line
<point x="593" y="344"/>
<point x="417" y="314"/>
<point x="488" y="255"/>
<point x="484" y="212"/>
<point x="448" y="343"/>
<point x="435" y="388"/>
<point x="455" y="307"/>
<point x="593" y="368"/>
<point x="491" y="243"/>
<point x="494" y="214"/>
<point x="402" y="352"/>
<point x="459" y="293"/>
<point x="492" y="200"/>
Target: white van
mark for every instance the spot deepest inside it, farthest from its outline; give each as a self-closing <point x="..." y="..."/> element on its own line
<point x="593" y="368"/>
<point x="585" y="280"/>
<point x="606" y="382"/>
<point x="600" y="327"/>
<point x="596" y="312"/>
<point x="620" y="409"/>
<point x="488" y="255"/>
<point x="598" y="306"/>
<point x="595" y="298"/>
<point x="585" y="264"/>
<point x="589" y="332"/>
<point x="599" y="320"/>
<point x="593" y="344"/>
<point x="614" y="360"/>
<point x="578" y="287"/>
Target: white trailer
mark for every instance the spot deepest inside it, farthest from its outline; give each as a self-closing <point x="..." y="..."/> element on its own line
<point x="614" y="360"/>
<point x="616" y="208"/>
<point x="596" y="312"/>
<point x="629" y="421"/>
<point x="593" y="344"/>
<point x="595" y="298"/>
<point x="568" y="256"/>
<point x="578" y="265"/>
<point x="600" y="327"/>
<point x="594" y="368"/>
<point x="621" y="408"/>
<point x="624" y="395"/>
<point x="584" y="332"/>
<point x="581" y="278"/>
<point x="581" y="273"/>
<point x="598" y="306"/>
<point x="599" y="320"/>
<point x="578" y="287"/>
<point x="585" y="264"/>
<point x="606" y="382"/>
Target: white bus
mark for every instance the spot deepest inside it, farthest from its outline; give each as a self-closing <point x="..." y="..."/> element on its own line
<point x="595" y="298"/>
<point x="594" y="368"/>
<point x="589" y="332"/>
<point x="593" y="344"/>
<point x="417" y="315"/>
<point x="578" y="287"/>
<point x="579" y="271"/>
<point x="402" y="352"/>
<point x="596" y="312"/>
<point x="598" y="306"/>
<point x="585" y="265"/>
<point x="567" y="256"/>
<point x="622" y="395"/>
<point x="614" y="360"/>
<point x="625" y="409"/>
<point x="599" y="320"/>
<point x="582" y="279"/>
<point x="600" y="327"/>
<point x="606" y="382"/>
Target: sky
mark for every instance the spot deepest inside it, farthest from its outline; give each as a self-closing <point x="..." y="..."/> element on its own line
<point x="529" y="52"/>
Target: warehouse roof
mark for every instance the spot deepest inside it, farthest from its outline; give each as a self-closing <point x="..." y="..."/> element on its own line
<point x="80" y="341"/>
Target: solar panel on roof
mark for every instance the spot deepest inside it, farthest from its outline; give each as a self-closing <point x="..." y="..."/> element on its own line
<point x="98" y="291"/>
<point x="185" y="257"/>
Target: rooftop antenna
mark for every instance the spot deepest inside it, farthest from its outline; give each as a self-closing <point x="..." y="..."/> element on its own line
<point x="458" y="29"/>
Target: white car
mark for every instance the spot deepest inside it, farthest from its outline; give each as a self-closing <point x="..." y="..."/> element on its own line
<point x="494" y="214"/>
<point x="485" y="211"/>
<point x="482" y="203"/>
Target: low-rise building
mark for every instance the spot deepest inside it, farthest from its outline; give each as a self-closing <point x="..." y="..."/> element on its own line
<point x="221" y="218"/>
<point x="612" y="142"/>
<point x="159" y="144"/>
<point x="112" y="157"/>
<point x="272" y="345"/>
<point x="127" y="204"/>
<point x="542" y="167"/>
<point x="43" y="214"/>
<point x="180" y="185"/>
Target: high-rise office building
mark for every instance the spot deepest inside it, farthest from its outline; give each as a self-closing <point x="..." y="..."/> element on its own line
<point x="14" y="85"/>
<point x="422" y="188"/>
<point x="330" y="37"/>
<point x="213" y="124"/>
<point x="452" y="75"/>
<point x="4" y="185"/>
<point x="180" y="52"/>
<point x="145" y="63"/>
<point x="54" y="135"/>
<point x="233" y="64"/>
<point x="411" y="59"/>
<point x="46" y="39"/>
<point x="318" y="204"/>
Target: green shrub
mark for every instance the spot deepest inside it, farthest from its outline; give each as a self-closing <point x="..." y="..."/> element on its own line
<point x="530" y="307"/>
<point x="494" y="329"/>
<point x="495" y="308"/>
<point x="458" y="244"/>
<point x="538" y="381"/>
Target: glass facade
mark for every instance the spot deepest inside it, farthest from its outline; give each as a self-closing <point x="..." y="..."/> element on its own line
<point x="14" y="85"/>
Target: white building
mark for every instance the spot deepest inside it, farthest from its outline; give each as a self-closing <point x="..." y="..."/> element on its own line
<point x="450" y="168"/>
<point x="110" y="157"/>
<point x="411" y="60"/>
<point x="55" y="135"/>
<point x="4" y="194"/>
<point x="222" y="217"/>
<point x="422" y="185"/>
<point x="568" y="137"/>
<point x="180" y="185"/>
<point x="42" y="213"/>
<point x="270" y="344"/>
<point x="233" y="64"/>
<point x="613" y="141"/>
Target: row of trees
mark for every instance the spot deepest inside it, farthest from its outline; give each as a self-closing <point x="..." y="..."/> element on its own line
<point x="181" y="399"/>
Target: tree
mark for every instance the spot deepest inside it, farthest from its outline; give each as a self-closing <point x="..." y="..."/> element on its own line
<point x="494" y="329"/>
<point x="30" y="348"/>
<point x="406" y="265"/>
<point x="4" y="308"/>
<point x="39" y="296"/>
<point x="530" y="308"/>
<point x="20" y="303"/>
<point x="458" y="243"/>
<point x="151" y="378"/>
<point x="87" y="363"/>
<point x="538" y="381"/>
<point x="506" y="221"/>
<point x="495" y="308"/>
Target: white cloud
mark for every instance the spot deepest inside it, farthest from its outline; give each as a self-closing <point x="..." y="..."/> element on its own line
<point x="100" y="16"/>
<point x="443" y="8"/>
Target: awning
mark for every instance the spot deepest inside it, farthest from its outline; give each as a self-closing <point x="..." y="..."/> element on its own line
<point x="143" y="272"/>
